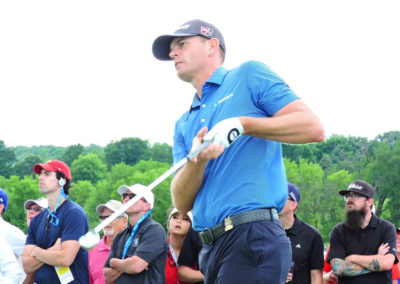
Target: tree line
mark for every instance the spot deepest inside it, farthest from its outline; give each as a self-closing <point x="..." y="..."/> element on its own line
<point x="320" y="170"/>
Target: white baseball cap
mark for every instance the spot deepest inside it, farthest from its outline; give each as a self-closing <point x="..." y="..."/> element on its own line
<point x="138" y="189"/>
<point x="112" y="204"/>
<point x="41" y="202"/>
<point x="174" y="211"/>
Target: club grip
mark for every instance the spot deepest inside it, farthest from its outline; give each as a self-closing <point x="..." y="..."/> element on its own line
<point x="198" y="150"/>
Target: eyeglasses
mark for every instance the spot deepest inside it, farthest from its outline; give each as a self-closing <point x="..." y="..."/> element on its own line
<point x="353" y="195"/>
<point x="130" y="195"/>
<point x="103" y="217"/>
<point x="36" y="209"/>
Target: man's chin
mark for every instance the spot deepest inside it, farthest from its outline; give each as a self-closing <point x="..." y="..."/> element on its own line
<point x="108" y="232"/>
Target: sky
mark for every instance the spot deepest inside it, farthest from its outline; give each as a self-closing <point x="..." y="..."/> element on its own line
<point x="82" y="72"/>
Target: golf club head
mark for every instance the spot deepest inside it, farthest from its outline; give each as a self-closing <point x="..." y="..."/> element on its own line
<point x="89" y="240"/>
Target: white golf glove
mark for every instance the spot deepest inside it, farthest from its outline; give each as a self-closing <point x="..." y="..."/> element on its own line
<point x="225" y="132"/>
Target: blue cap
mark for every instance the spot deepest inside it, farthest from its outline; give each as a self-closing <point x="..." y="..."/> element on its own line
<point x="294" y="192"/>
<point x="3" y="198"/>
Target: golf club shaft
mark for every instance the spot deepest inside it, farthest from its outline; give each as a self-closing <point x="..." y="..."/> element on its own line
<point x="164" y="176"/>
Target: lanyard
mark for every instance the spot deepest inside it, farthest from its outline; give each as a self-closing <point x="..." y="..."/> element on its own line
<point x="173" y="254"/>
<point x="54" y="219"/>
<point x="135" y="228"/>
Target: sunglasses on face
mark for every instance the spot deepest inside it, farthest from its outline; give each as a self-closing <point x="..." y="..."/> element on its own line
<point x="103" y="217"/>
<point x="130" y="195"/>
<point x="353" y="195"/>
<point x="36" y="209"/>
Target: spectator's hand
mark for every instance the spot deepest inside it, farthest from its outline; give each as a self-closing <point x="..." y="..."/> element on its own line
<point x="289" y="277"/>
<point x="56" y="246"/>
<point x="330" y="276"/>
<point x="225" y="132"/>
<point x="383" y="249"/>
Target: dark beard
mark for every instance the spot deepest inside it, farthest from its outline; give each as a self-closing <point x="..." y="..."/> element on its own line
<point x="354" y="219"/>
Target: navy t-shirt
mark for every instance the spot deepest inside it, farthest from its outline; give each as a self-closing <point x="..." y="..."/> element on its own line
<point x="72" y="225"/>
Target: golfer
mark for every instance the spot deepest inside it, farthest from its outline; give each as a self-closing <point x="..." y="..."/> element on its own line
<point x="235" y="192"/>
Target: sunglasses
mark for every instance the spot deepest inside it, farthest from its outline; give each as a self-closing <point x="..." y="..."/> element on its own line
<point x="130" y="195"/>
<point x="103" y="217"/>
<point x="36" y="209"/>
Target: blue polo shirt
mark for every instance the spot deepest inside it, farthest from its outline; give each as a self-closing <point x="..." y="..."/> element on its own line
<point x="250" y="174"/>
<point x="72" y="224"/>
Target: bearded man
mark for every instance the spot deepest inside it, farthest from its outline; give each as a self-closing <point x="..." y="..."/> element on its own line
<point x="363" y="247"/>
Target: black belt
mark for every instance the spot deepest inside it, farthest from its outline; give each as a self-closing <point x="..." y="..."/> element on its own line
<point x="208" y="236"/>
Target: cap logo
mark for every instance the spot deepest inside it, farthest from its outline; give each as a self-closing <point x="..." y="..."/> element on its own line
<point x="356" y="186"/>
<point x="184" y="27"/>
<point x="206" y="31"/>
<point x="293" y="196"/>
<point x="1" y="199"/>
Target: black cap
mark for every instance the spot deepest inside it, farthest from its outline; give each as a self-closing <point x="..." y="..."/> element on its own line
<point x="161" y="45"/>
<point x="361" y="187"/>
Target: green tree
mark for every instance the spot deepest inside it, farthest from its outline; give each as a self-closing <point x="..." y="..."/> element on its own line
<point x="7" y="159"/>
<point x="331" y="211"/>
<point x="310" y="183"/>
<point x="384" y="174"/>
<point x="161" y="153"/>
<point x="72" y="153"/>
<point x="18" y="191"/>
<point x="88" y="167"/>
<point x="128" y="150"/>
<point x="25" y="167"/>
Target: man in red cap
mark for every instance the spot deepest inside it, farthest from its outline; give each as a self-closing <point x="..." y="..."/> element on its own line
<point x="52" y="249"/>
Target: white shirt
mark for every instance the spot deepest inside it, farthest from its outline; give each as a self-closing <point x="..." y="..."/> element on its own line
<point x="10" y="271"/>
<point x="15" y="238"/>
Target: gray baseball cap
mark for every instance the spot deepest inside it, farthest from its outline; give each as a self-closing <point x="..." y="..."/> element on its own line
<point x="161" y="45"/>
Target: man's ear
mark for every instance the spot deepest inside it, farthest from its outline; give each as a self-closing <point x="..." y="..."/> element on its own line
<point x="214" y="44"/>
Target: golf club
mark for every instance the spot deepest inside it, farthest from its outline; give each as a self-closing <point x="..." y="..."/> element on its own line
<point x="91" y="238"/>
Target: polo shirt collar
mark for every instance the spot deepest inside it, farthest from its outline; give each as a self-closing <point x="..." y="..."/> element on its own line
<point x="102" y="245"/>
<point x="295" y="229"/>
<point x="373" y="223"/>
<point x="216" y="78"/>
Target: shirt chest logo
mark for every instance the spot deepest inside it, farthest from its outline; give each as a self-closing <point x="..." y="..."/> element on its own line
<point x="223" y="100"/>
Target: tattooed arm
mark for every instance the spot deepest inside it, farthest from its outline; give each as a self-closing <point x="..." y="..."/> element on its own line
<point x="341" y="267"/>
<point x="374" y="263"/>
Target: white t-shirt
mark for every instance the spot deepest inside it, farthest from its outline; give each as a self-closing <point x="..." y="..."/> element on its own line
<point x="16" y="240"/>
<point x="10" y="271"/>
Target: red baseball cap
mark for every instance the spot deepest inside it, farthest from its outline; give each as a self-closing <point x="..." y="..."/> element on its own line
<point x="53" y="166"/>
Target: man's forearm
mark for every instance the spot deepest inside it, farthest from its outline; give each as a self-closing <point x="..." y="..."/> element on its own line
<point x="29" y="279"/>
<point x="186" y="183"/>
<point x="188" y="274"/>
<point x="60" y="254"/>
<point x="346" y="268"/>
<point x="130" y="265"/>
<point x="111" y="274"/>
<point x="374" y="263"/>
<point x="30" y="263"/>
<point x="316" y="276"/>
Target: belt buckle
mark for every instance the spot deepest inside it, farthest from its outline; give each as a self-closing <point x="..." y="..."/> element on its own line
<point x="228" y="224"/>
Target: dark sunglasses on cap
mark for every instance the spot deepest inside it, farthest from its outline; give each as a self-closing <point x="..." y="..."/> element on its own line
<point x="103" y="217"/>
<point x="130" y="195"/>
<point x="36" y="209"/>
